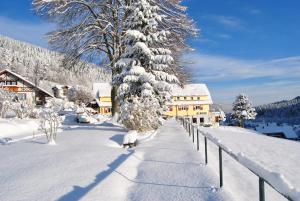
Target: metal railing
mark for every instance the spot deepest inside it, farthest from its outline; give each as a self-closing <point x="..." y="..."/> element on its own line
<point x="190" y="128"/>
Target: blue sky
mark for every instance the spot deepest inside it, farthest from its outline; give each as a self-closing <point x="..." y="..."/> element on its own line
<point x="247" y="47"/>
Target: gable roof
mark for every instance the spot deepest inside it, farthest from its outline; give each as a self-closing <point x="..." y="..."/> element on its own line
<point x="25" y="80"/>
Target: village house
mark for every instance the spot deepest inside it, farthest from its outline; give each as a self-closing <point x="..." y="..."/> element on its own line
<point x="192" y="102"/>
<point x="25" y="90"/>
<point x="102" y="94"/>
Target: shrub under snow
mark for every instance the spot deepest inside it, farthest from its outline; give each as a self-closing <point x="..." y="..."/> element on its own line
<point x="140" y="114"/>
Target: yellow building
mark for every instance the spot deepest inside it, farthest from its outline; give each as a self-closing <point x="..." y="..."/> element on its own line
<point x="193" y="102"/>
<point x="102" y="94"/>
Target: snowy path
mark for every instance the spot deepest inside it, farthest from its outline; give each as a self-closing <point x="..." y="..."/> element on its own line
<point x="89" y="165"/>
<point x="171" y="169"/>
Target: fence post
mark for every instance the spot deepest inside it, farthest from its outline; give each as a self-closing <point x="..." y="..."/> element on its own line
<point x="197" y="139"/>
<point x="193" y="134"/>
<point x="205" y="150"/>
<point x="261" y="189"/>
<point x="220" y="167"/>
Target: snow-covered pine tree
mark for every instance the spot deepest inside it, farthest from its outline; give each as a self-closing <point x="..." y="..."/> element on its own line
<point x="242" y="110"/>
<point x="144" y="65"/>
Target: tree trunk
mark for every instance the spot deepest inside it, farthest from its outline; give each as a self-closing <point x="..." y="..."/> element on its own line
<point x="114" y="101"/>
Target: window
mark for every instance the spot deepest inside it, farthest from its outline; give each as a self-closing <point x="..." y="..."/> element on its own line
<point x="201" y="120"/>
<point x="184" y="98"/>
<point x="178" y="98"/>
<point x="180" y="108"/>
<point x="197" y="107"/>
<point x="198" y="98"/>
<point x="170" y="109"/>
<point x="194" y="120"/>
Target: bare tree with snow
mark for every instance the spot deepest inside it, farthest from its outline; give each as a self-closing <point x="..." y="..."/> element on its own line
<point x="242" y="110"/>
<point x="94" y="30"/>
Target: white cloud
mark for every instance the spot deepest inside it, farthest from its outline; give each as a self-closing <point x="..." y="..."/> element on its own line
<point x="212" y="67"/>
<point x="264" y="80"/>
<point x="25" y="31"/>
<point x="227" y="21"/>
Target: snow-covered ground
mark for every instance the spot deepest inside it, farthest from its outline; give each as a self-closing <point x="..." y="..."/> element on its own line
<point x="89" y="164"/>
<point x="15" y="128"/>
<point x="277" y="160"/>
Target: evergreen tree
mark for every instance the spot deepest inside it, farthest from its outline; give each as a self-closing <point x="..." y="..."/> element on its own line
<point x="242" y="110"/>
<point x="145" y="61"/>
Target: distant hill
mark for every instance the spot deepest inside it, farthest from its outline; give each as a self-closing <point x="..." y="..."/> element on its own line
<point x="35" y="62"/>
<point x="287" y="111"/>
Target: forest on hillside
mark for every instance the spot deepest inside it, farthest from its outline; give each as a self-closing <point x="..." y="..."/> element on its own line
<point x="40" y="64"/>
<point x="286" y="111"/>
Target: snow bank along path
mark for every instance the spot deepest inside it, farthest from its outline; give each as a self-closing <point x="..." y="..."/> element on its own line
<point x="88" y="164"/>
<point x="275" y="160"/>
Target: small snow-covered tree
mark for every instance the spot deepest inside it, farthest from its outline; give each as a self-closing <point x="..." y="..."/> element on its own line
<point x="50" y="120"/>
<point x="144" y="64"/>
<point x="242" y="110"/>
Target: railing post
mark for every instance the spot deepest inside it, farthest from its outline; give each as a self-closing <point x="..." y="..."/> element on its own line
<point x="197" y="140"/>
<point x="220" y="167"/>
<point x="193" y="133"/>
<point x="190" y="125"/>
<point x="261" y="189"/>
<point x="205" y="150"/>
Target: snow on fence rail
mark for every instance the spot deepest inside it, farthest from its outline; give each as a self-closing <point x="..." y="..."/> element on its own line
<point x="273" y="179"/>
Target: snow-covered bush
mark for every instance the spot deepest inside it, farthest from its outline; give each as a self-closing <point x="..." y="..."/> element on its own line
<point x="22" y="109"/>
<point x="6" y="99"/>
<point x="242" y="110"/>
<point x="140" y="114"/>
<point x="50" y="120"/>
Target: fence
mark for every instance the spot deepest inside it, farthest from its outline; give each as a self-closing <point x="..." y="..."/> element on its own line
<point x="261" y="181"/>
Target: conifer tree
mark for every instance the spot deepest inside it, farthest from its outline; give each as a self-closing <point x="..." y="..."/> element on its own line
<point x="242" y="110"/>
<point x="145" y="61"/>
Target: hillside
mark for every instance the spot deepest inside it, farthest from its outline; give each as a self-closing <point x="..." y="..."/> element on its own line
<point x="287" y="111"/>
<point x="39" y="63"/>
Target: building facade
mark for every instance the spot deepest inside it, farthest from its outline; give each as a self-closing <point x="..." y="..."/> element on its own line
<point x="193" y="101"/>
<point x="25" y="90"/>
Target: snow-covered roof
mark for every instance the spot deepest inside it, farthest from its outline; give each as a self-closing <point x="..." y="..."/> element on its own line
<point x="102" y="89"/>
<point x="192" y="90"/>
<point x="27" y="81"/>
